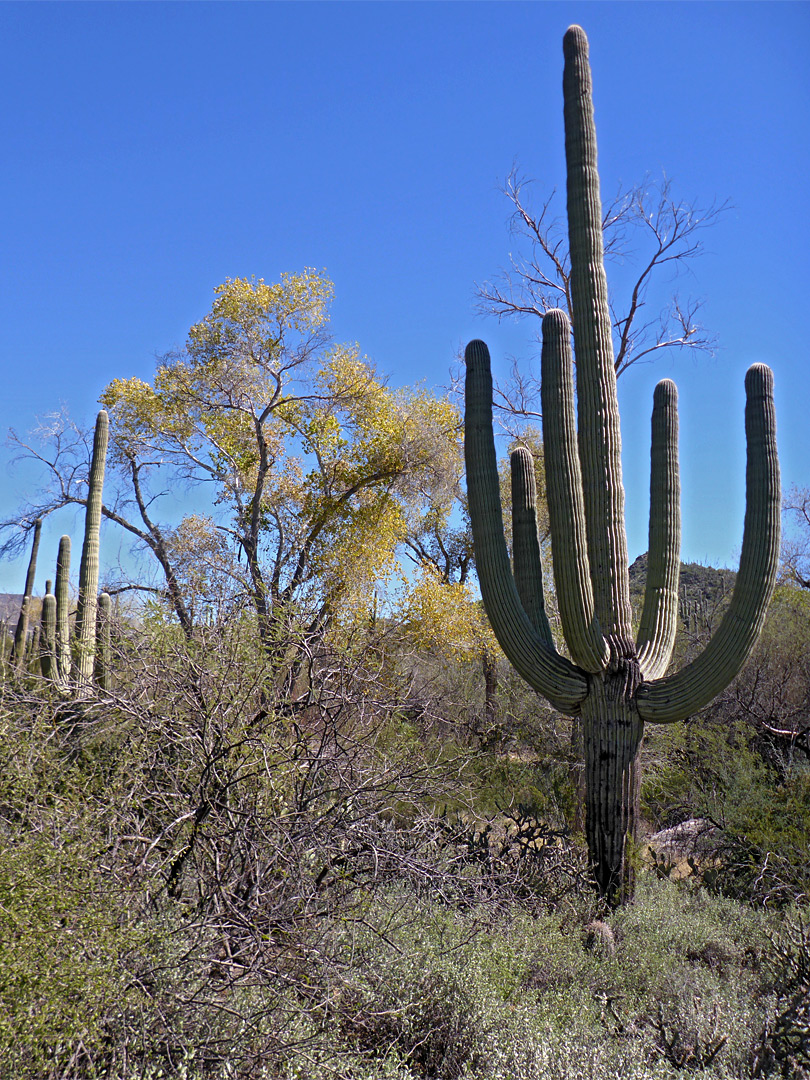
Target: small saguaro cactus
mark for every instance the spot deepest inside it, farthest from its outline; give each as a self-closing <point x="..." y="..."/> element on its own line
<point x="614" y="681"/>
<point x="47" y="638"/>
<point x="103" y="642"/>
<point x="21" y="631"/>
<point x="62" y="591"/>
<point x="85" y="638"/>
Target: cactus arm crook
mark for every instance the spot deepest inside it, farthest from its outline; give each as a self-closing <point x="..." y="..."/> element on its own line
<point x="539" y="664"/>
<point x="678" y="696"/>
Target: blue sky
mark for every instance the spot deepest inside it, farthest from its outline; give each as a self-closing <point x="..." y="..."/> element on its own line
<point x="154" y="149"/>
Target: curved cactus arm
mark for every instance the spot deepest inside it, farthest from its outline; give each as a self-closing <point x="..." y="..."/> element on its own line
<point x="62" y="590"/>
<point x="88" y="569"/>
<point x="681" y="694"/>
<point x="569" y="546"/>
<point x="528" y="568"/>
<point x="659" y="616"/>
<point x="600" y="445"/>
<point x="539" y="664"/>
<point x="47" y="638"/>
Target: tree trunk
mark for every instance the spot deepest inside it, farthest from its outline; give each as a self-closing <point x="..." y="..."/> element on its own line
<point x="612" y="731"/>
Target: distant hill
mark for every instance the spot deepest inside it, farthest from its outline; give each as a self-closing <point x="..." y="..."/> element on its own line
<point x="703" y="585"/>
<point x="10" y="607"/>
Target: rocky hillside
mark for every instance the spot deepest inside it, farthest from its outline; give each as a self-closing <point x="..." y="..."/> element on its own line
<point x="10" y="607"/>
<point x="701" y="587"/>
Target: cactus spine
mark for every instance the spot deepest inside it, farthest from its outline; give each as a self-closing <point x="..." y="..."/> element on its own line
<point x="615" y="683"/>
<point x="85" y="642"/>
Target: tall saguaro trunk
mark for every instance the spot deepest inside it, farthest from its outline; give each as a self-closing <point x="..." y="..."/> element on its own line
<point x="612" y="731"/>
<point x="21" y="631"/>
<point x="85" y="638"/>
<point x="62" y="592"/>
<point x="613" y="683"/>
<point x="102" y="669"/>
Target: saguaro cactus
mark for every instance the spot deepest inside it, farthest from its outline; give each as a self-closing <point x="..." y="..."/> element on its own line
<point x="613" y="682"/>
<point x="62" y="589"/>
<point x="21" y="631"/>
<point x="103" y="642"/>
<point x="47" y="637"/>
<point x="85" y="638"/>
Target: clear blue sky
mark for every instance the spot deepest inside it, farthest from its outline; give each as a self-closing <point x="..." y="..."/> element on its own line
<point x="154" y="149"/>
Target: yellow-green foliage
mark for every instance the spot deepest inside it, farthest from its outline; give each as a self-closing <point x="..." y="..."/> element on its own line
<point x="445" y="616"/>
<point x="303" y="440"/>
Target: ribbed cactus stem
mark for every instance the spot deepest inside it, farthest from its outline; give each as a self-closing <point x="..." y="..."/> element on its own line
<point x="21" y="631"/>
<point x="617" y="684"/>
<point x="62" y="592"/>
<point x="32" y="648"/>
<point x="89" y="567"/>
<point x="681" y="694"/>
<point x="600" y="441"/>
<point x="566" y="508"/>
<point x="103" y="642"/>
<point x="552" y="675"/>
<point x="30" y="576"/>
<point x="526" y="543"/>
<point x="659" y="617"/>
<point x="47" y="638"/>
<point x="612" y="731"/>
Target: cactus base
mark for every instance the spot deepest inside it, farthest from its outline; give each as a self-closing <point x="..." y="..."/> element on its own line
<point x="612" y="731"/>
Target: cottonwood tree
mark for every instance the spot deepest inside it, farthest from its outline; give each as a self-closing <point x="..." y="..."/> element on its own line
<point x="647" y="230"/>
<point x="311" y="463"/>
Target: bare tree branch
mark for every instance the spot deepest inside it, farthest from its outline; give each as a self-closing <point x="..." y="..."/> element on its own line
<point x="644" y="227"/>
<point x="796" y="541"/>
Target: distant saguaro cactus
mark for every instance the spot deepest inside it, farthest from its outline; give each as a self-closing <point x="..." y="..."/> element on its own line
<point x="62" y="590"/>
<point x="85" y="637"/>
<point x="103" y="641"/>
<point x="47" y="638"/>
<point x="21" y="631"/>
<point x="613" y="682"/>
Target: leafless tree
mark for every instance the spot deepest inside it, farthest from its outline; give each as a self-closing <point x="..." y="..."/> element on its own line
<point x="796" y="541"/>
<point x="645" y="227"/>
<point x="63" y="449"/>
